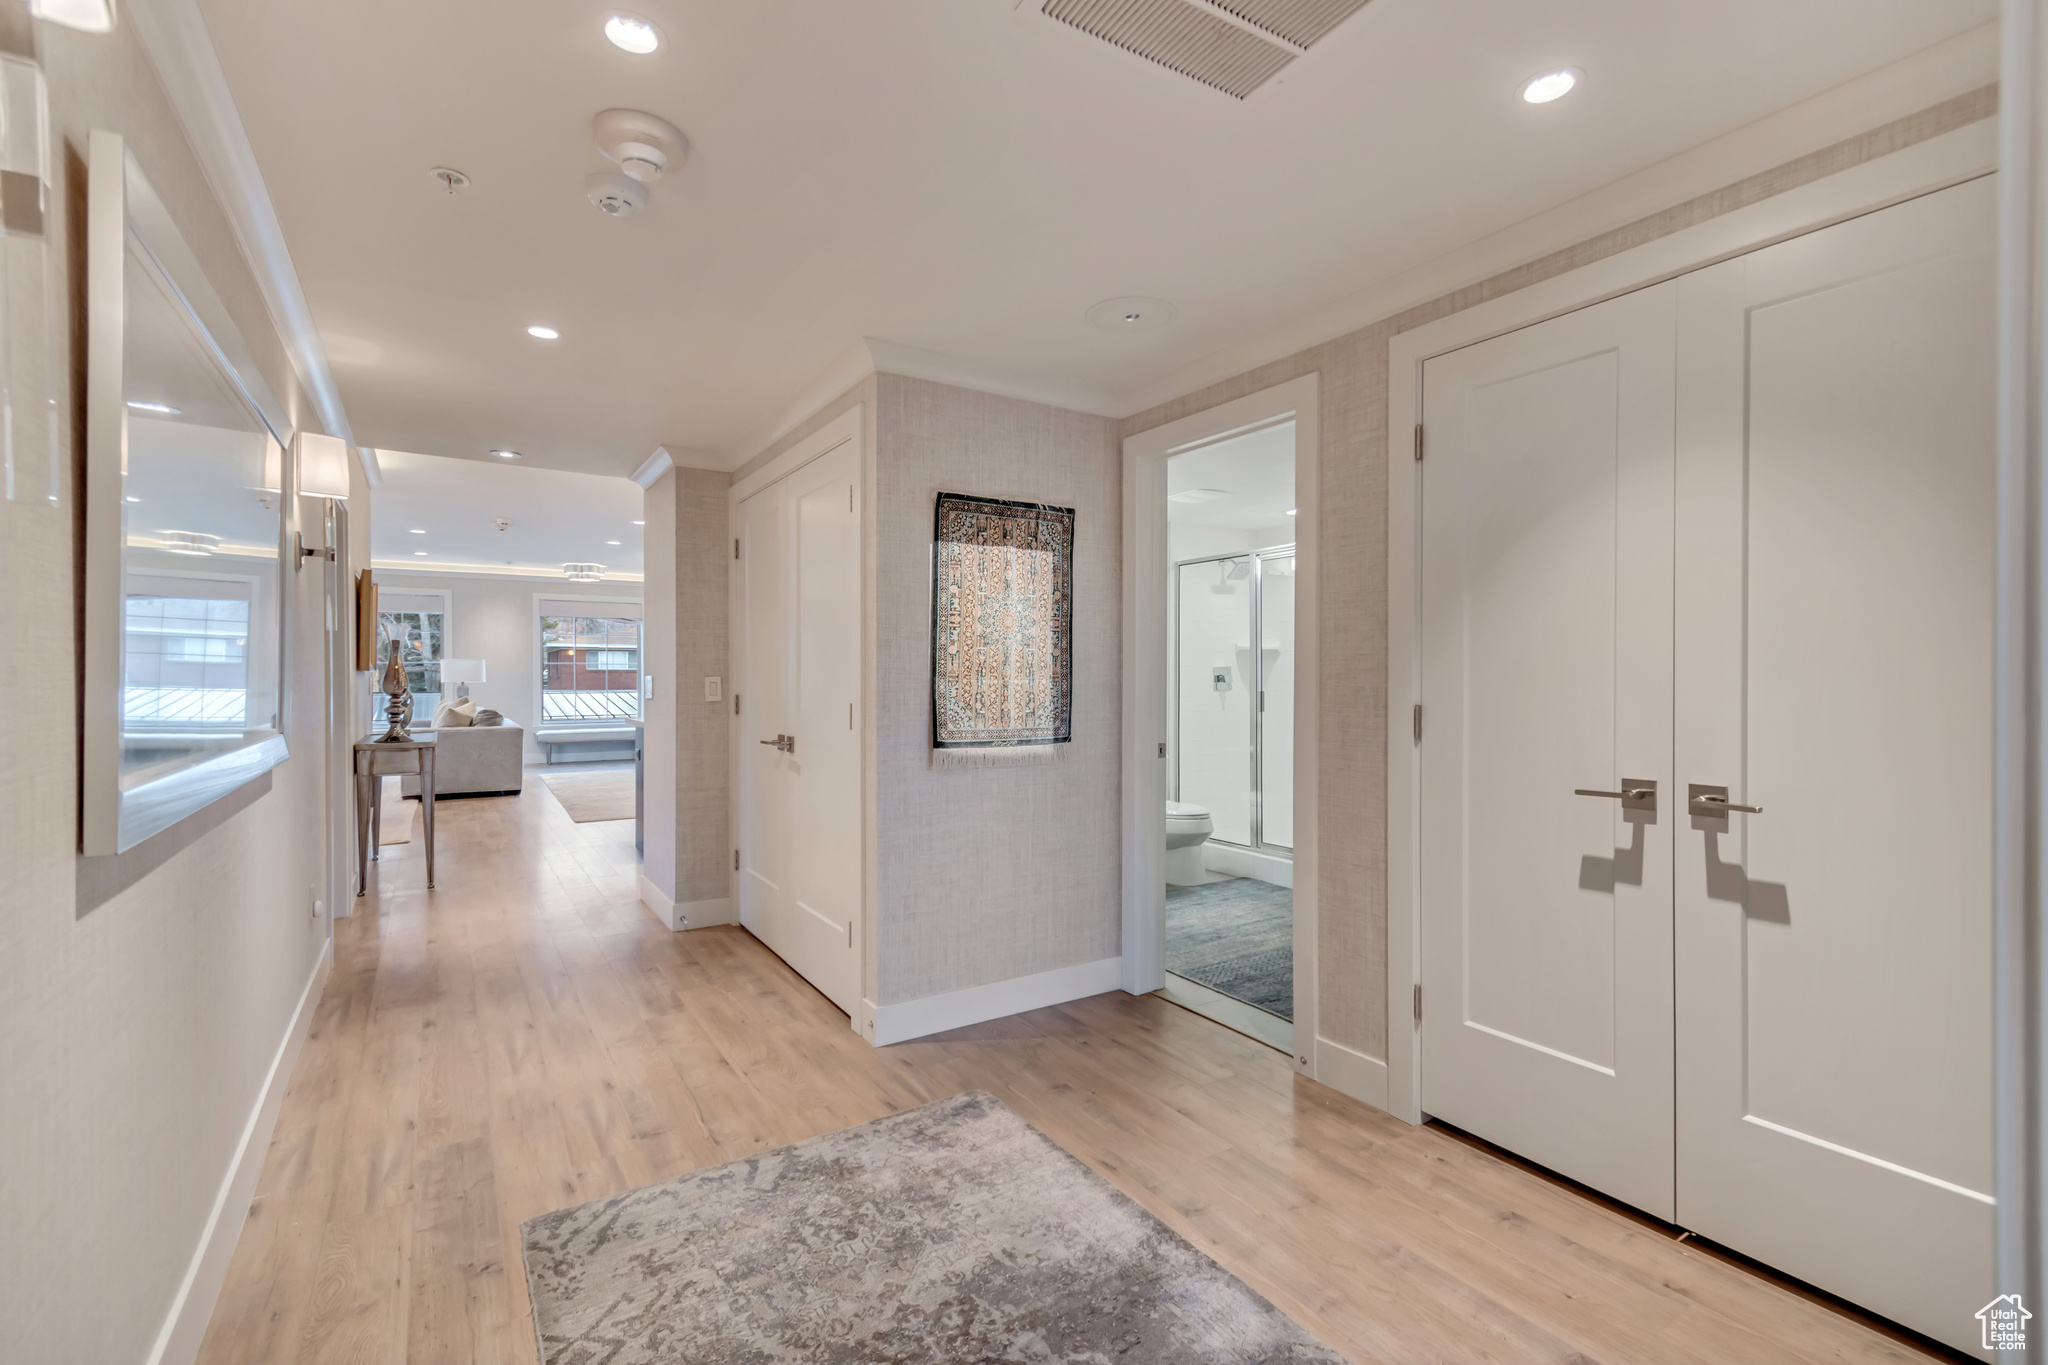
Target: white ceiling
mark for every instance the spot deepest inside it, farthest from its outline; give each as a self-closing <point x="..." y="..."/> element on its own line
<point x="941" y="174"/>
<point x="1254" y="472"/>
<point x="557" y="517"/>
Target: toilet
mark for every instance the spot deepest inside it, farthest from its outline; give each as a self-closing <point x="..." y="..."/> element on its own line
<point x="1188" y="827"/>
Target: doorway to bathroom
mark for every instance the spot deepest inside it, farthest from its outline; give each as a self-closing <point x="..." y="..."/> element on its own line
<point x="1230" y="514"/>
<point x="1220" y="708"/>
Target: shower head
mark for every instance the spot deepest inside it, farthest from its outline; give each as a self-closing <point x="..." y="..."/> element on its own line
<point x="1239" y="569"/>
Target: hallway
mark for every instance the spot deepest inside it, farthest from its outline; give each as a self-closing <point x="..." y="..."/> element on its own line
<point x="530" y="1038"/>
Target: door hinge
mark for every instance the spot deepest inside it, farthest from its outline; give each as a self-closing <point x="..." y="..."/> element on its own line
<point x="736" y="867"/>
<point x="849" y="715"/>
<point x="735" y="703"/>
<point x="735" y="547"/>
<point x="1418" y="440"/>
<point x="849" y="507"/>
<point x="1418" y="722"/>
<point x="849" y="933"/>
<point x="1418" y="1002"/>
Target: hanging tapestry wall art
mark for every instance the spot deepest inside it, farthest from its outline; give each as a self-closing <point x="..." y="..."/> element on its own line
<point x="1002" y="632"/>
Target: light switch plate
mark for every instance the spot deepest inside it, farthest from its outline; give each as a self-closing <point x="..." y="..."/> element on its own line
<point x="713" y="688"/>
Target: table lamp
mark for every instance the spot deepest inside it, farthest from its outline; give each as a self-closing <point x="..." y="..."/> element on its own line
<point x="462" y="672"/>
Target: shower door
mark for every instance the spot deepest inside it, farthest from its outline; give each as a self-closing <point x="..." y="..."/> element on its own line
<point x="1234" y="695"/>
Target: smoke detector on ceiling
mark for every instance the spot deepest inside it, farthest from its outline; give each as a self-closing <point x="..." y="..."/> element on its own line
<point x="615" y="195"/>
<point x="502" y="523"/>
<point x="450" y="180"/>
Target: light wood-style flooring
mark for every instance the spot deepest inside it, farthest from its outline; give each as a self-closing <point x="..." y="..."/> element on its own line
<point x="528" y="1037"/>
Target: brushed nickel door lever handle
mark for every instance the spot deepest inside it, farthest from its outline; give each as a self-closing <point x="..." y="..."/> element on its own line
<point x="1637" y="793"/>
<point x="1705" y="799"/>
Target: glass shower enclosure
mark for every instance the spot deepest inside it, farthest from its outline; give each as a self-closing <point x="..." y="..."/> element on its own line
<point x="1234" y="696"/>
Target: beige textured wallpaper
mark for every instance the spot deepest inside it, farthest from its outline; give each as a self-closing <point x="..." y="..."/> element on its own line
<point x="984" y="874"/>
<point x="1353" y="524"/>
<point x="142" y="996"/>
<point x="703" y="848"/>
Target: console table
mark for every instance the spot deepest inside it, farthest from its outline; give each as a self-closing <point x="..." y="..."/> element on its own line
<point x="377" y="759"/>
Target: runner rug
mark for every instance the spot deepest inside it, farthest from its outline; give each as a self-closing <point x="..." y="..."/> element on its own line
<point x="945" y="1235"/>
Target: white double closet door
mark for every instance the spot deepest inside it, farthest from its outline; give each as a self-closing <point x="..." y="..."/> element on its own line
<point x="1729" y="536"/>
<point x="798" y="695"/>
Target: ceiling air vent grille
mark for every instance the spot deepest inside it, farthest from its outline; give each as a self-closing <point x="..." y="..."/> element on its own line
<point x="1187" y="38"/>
<point x="1300" y="22"/>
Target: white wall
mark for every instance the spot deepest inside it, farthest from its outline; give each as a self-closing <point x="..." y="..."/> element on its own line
<point x="143" y="997"/>
<point x="493" y="619"/>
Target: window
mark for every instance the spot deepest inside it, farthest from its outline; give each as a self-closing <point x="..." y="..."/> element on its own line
<point x="419" y="622"/>
<point x="187" y="658"/>
<point x="590" y="664"/>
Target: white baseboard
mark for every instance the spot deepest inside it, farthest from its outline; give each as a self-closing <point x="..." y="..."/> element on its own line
<point x="704" y="914"/>
<point x="1351" y="1072"/>
<point x="886" y="1024"/>
<point x="184" y="1327"/>
<point x="1244" y="862"/>
<point x="657" y="900"/>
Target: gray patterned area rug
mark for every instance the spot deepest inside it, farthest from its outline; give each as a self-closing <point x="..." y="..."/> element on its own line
<point x="1237" y="937"/>
<point x="945" y="1235"/>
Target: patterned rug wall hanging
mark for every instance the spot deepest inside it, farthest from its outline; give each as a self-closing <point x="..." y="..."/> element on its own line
<point x="1002" y="632"/>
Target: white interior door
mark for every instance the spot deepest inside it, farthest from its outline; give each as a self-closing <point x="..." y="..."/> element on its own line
<point x="764" y="713"/>
<point x="1546" y="624"/>
<point x="823" y="939"/>
<point x="1834" y="638"/>
<point x="800" y="754"/>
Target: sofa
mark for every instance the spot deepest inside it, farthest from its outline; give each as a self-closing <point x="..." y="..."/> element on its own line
<point x="473" y="760"/>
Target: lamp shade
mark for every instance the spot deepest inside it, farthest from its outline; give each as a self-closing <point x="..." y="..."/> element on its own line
<point x="462" y="671"/>
<point x="88" y="16"/>
<point x="322" y="464"/>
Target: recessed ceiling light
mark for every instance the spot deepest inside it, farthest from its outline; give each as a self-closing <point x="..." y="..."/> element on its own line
<point x="153" y="407"/>
<point x="1197" y="495"/>
<point x="1292" y="510"/>
<point x="1550" y="85"/>
<point x="508" y="454"/>
<point x="611" y="542"/>
<point x="135" y="499"/>
<point x="632" y="34"/>
<point x="419" y="552"/>
<point x="417" y="531"/>
<point x="543" y="333"/>
<point x="639" y="523"/>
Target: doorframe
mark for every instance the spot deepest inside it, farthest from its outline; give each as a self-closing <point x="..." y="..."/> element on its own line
<point x="849" y="425"/>
<point x="1146" y="711"/>
<point x="1925" y="168"/>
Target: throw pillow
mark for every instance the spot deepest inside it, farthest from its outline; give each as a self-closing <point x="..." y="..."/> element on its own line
<point x="488" y="717"/>
<point x="455" y="714"/>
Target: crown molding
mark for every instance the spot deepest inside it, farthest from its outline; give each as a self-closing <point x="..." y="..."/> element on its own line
<point x="872" y="355"/>
<point x="888" y="357"/>
<point x="653" y="467"/>
<point x="174" y="34"/>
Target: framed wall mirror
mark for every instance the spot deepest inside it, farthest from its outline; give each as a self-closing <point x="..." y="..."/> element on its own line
<point x="186" y="561"/>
